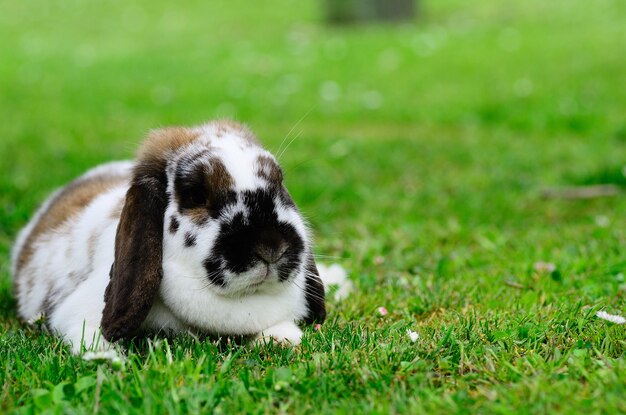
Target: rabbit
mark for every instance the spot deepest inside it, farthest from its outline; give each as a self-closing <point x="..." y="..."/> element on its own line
<point x="198" y="234"/>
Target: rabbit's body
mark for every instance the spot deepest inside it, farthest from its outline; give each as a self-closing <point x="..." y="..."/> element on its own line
<point x="134" y="246"/>
<point x="56" y="271"/>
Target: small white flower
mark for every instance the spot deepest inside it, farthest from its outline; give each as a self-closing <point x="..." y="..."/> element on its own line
<point x="335" y="275"/>
<point x="611" y="317"/>
<point x="38" y="319"/>
<point x="602" y="221"/>
<point x="412" y="335"/>
<point x="103" y="355"/>
<point x="111" y="356"/>
<point x="544" y="267"/>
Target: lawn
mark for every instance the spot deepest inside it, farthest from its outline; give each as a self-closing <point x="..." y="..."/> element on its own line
<point x="418" y="152"/>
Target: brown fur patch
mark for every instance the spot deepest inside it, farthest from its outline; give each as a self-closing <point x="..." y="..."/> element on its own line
<point x="214" y="180"/>
<point x="269" y="170"/>
<point x="162" y="142"/>
<point x="137" y="270"/>
<point x="67" y="204"/>
<point x="219" y="178"/>
<point x="199" y="216"/>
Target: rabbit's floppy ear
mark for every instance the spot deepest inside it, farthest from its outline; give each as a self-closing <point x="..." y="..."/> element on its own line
<point x="314" y="293"/>
<point x="138" y="268"/>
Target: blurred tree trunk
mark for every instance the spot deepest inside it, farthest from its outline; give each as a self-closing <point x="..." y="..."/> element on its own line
<point x="350" y="11"/>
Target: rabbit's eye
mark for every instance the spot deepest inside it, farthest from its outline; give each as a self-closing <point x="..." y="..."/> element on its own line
<point x="197" y="198"/>
<point x="193" y="197"/>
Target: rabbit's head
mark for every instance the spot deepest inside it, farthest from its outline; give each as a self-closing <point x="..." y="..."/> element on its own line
<point x="208" y="207"/>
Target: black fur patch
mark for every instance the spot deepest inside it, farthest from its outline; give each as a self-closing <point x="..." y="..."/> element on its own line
<point x="314" y="293"/>
<point x="214" y="272"/>
<point x="242" y="238"/>
<point x="285" y="197"/>
<point x="190" y="240"/>
<point x="174" y="225"/>
<point x="202" y="189"/>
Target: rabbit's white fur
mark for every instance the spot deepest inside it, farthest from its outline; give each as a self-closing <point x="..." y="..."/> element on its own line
<point x="62" y="254"/>
<point x="68" y="270"/>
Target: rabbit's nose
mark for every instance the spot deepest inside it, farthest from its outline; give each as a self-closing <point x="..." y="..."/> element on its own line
<point x="271" y="254"/>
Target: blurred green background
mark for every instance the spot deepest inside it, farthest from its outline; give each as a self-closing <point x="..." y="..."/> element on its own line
<point x="527" y="88"/>
<point x="417" y="150"/>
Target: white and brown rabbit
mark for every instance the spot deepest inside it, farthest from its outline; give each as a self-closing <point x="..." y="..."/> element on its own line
<point x="198" y="234"/>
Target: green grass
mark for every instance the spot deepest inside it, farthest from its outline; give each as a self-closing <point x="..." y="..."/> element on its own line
<point x="421" y="155"/>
